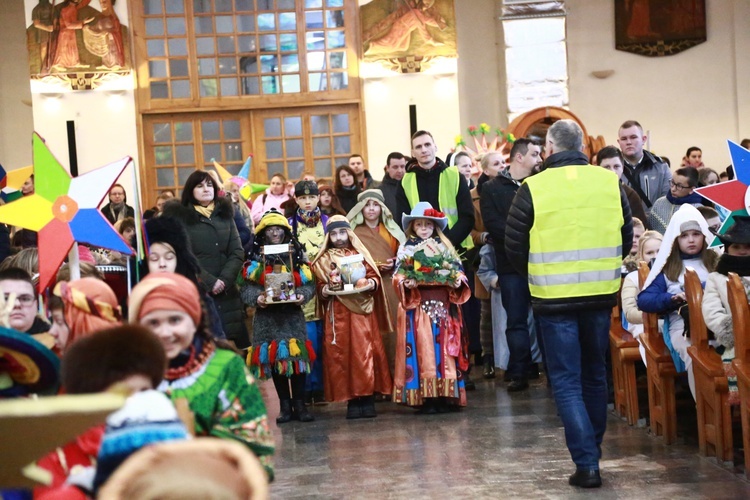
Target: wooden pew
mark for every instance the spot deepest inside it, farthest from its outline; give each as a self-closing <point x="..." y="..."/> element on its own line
<point x="624" y="350"/>
<point x="661" y="373"/>
<point x="741" y="325"/>
<point x="711" y="384"/>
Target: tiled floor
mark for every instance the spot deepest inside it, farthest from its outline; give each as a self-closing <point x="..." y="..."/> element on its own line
<point x="502" y="446"/>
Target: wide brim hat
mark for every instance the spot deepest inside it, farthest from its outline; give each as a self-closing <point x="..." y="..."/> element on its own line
<point x="32" y="365"/>
<point x="423" y="210"/>
<point x="738" y="233"/>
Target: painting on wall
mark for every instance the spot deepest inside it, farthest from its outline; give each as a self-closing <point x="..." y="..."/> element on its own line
<point x="406" y="34"/>
<point x="659" y="27"/>
<point x="73" y="43"/>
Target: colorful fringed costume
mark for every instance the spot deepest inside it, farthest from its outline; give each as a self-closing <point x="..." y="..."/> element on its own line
<point x="280" y="349"/>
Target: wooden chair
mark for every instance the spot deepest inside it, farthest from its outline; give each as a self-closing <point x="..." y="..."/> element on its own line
<point x="624" y="350"/>
<point x="661" y="374"/>
<point x="711" y="384"/>
<point x="741" y="325"/>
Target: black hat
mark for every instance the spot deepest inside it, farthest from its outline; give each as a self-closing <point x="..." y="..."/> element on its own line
<point x="304" y="188"/>
<point x="169" y="230"/>
<point x="739" y="232"/>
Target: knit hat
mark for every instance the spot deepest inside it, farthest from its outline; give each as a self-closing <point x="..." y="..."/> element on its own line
<point x="95" y="363"/>
<point x="272" y="218"/>
<point x="90" y="305"/>
<point x="423" y="210"/>
<point x="164" y="292"/>
<point x="304" y="188"/>
<point x="148" y="417"/>
<point x="690" y="225"/>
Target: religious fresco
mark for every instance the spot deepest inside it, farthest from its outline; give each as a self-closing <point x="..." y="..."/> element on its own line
<point x="406" y="34"/>
<point x="77" y="45"/>
<point x="659" y="27"/>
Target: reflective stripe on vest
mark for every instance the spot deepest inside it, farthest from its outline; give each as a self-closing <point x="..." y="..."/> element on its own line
<point x="575" y="244"/>
<point x="447" y="192"/>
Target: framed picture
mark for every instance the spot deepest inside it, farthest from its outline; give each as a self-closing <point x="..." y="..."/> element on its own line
<point x="659" y="27"/>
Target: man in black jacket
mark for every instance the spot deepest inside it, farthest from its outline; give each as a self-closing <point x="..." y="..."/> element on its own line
<point x="395" y="167"/>
<point x="568" y="229"/>
<point x="496" y="199"/>
<point x="428" y="170"/>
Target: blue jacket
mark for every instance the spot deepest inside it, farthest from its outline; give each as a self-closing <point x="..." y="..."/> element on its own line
<point x="655" y="298"/>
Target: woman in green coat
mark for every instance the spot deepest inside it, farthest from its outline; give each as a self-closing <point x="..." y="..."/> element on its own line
<point x="215" y="242"/>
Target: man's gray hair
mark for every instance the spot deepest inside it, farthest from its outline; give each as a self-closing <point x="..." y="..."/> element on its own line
<point x="566" y="135"/>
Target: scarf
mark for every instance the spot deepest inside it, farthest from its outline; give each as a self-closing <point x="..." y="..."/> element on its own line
<point x="693" y="198"/>
<point x="205" y="211"/>
<point x="733" y="264"/>
<point x="118" y="211"/>
<point x="309" y="219"/>
<point x="89" y="306"/>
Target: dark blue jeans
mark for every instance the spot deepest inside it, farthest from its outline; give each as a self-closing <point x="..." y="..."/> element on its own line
<point x="575" y="346"/>
<point x="514" y="290"/>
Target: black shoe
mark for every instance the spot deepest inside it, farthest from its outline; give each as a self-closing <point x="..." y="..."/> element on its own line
<point x="469" y="384"/>
<point x="489" y="367"/>
<point x="353" y="409"/>
<point x="429" y="407"/>
<point x="285" y="411"/>
<point x="585" y="478"/>
<point x="518" y="384"/>
<point x="299" y="411"/>
<point x="367" y="406"/>
<point x="319" y="398"/>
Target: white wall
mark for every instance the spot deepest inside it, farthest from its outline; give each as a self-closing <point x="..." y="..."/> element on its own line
<point x="688" y="99"/>
<point x="16" y="122"/>
<point x="105" y="121"/>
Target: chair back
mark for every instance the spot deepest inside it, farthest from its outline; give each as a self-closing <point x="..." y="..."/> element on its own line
<point x="694" y="296"/>
<point x="650" y="320"/>
<point x="740" y="308"/>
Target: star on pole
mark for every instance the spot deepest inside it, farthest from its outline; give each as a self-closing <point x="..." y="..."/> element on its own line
<point x="733" y="195"/>
<point x="64" y="210"/>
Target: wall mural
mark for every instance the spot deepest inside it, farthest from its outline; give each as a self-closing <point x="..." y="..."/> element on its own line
<point x="73" y="43"/>
<point x="406" y="34"/>
<point x="659" y="27"/>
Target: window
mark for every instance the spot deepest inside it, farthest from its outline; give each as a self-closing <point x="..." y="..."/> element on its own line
<point x="238" y="48"/>
<point x="536" y="61"/>
<point x="177" y="144"/>
<point x="326" y="136"/>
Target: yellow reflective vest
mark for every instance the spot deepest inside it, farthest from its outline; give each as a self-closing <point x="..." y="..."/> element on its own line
<point x="448" y="190"/>
<point x="575" y="243"/>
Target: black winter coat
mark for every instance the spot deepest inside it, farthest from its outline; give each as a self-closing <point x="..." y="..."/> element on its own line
<point x="428" y="187"/>
<point x="216" y="245"/>
<point x="518" y="226"/>
<point x="495" y="201"/>
<point x="389" y="188"/>
<point x="129" y="212"/>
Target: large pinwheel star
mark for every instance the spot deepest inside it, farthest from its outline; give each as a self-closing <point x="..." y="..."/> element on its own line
<point x="65" y="210"/>
<point x="732" y="195"/>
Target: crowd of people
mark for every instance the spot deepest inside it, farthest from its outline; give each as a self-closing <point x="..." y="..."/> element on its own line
<point x="358" y="291"/>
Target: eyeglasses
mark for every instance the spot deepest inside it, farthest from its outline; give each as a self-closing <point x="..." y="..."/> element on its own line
<point x="680" y="186"/>
<point x="25" y="299"/>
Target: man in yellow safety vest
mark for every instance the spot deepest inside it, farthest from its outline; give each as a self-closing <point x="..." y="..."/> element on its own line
<point x="568" y="229"/>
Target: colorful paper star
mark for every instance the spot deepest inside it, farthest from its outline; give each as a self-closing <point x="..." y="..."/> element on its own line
<point x="65" y="210"/>
<point x="11" y="182"/>
<point x="732" y="195"/>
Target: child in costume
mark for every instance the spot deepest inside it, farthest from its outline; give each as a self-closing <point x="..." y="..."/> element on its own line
<point x="133" y="359"/>
<point x="214" y="380"/>
<point x="356" y="365"/>
<point x="308" y="226"/>
<point x="373" y="223"/>
<point x="685" y="245"/>
<point x="431" y="352"/>
<point x="280" y="347"/>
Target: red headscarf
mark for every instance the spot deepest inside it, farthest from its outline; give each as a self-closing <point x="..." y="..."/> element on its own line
<point x="90" y="306"/>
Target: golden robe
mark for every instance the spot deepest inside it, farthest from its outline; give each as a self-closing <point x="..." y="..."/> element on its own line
<point x="355" y="361"/>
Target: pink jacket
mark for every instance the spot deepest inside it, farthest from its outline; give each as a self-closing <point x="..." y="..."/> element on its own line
<point x="265" y="202"/>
